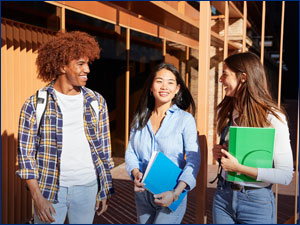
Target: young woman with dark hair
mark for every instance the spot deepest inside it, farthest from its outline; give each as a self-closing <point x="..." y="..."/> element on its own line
<point x="248" y="103"/>
<point x="162" y="124"/>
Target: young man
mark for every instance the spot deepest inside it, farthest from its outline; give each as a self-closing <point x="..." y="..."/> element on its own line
<point x="66" y="159"/>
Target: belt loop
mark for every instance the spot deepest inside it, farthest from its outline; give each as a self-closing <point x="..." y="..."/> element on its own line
<point x="243" y="189"/>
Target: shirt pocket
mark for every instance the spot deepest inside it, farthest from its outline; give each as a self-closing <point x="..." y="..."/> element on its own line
<point x="171" y="144"/>
<point x="91" y="126"/>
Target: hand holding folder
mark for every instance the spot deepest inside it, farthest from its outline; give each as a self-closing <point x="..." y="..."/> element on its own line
<point x="162" y="175"/>
<point x="252" y="147"/>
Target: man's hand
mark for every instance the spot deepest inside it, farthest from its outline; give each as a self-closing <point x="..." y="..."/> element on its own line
<point x="164" y="199"/>
<point x="104" y="205"/>
<point x="43" y="208"/>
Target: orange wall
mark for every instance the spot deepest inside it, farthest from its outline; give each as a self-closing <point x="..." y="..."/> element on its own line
<point x="19" y="43"/>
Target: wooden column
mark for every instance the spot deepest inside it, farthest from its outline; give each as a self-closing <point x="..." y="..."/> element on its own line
<point x="279" y="88"/>
<point x="226" y="22"/>
<point x="187" y="58"/>
<point x="226" y="25"/>
<point x="61" y="13"/>
<point x="262" y="40"/>
<point x="164" y="48"/>
<point x="202" y="106"/>
<point x="244" y="26"/>
<point x="280" y="55"/>
<point x="127" y="79"/>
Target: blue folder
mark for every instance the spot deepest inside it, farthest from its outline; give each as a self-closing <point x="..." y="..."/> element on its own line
<point x="162" y="175"/>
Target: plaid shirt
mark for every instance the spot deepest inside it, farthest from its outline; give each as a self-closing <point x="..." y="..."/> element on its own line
<point x="39" y="155"/>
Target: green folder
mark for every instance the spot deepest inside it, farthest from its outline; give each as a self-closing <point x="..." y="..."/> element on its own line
<point x="252" y="147"/>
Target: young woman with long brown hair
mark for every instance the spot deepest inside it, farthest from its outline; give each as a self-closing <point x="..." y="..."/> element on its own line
<point x="248" y="103"/>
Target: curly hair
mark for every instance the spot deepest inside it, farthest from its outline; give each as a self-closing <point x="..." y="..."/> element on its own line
<point x="62" y="49"/>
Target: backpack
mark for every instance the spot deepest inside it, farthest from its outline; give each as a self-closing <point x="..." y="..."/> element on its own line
<point x="42" y="101"/>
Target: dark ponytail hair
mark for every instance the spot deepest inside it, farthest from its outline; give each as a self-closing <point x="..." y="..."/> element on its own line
<point x="183" y="99"/>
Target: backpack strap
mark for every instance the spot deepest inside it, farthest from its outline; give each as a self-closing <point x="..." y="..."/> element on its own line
<point x="222" y="140"/>
<point x="41" y="103"/>
<point x="95" y="106"/>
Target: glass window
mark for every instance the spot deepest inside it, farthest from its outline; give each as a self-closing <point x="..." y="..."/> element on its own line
<point x="145" y="54"/>
<point x="112" y="63"/>
<point x="35" y="13"/>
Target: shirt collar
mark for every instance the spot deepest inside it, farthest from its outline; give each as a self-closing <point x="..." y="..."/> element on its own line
<point x="173" y="108"/>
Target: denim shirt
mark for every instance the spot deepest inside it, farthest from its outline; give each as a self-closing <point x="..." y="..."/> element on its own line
<point x="176" y="137"/>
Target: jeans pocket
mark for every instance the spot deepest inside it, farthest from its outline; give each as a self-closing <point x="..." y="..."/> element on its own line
<point x="261" y="196"/>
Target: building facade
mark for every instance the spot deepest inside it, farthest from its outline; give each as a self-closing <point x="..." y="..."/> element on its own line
<point x="134" y="37"/>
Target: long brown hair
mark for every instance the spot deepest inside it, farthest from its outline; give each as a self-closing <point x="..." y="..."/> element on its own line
<point x="252" y="98"/>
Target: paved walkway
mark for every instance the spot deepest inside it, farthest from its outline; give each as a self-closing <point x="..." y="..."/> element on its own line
<point x="122" y="206"/>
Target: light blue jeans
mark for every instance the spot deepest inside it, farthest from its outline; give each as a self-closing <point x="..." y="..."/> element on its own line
<point x="149" y="212"/>
<point x="76" y="201"/>
<point x="256" y="206"/>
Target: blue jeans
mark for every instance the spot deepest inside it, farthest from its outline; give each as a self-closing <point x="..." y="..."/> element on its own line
<point x="256" y="206"/>
<point x="149" y="212"/>
<point x="77" y="201"/>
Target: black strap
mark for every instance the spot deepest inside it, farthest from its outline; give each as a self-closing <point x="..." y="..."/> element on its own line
<point x="41" y="100"/>
<point x="222" y="140"/>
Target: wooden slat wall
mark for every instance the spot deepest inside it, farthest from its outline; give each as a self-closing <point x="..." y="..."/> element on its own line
<point x="19" y="43"/>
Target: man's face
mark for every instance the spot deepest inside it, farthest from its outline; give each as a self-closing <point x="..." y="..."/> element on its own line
<point x="76" y="72"/>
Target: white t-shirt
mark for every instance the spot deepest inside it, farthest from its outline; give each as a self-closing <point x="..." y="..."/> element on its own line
<point x="282" y="173"/>
<point x="76" y="166"/>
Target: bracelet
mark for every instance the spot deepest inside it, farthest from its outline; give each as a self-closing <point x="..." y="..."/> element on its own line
<point x="175" y="196"/>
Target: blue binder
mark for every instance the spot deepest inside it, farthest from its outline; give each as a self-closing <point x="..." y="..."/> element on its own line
<point x="162" y="175"/>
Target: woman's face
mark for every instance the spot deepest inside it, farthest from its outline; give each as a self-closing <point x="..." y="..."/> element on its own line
<point x="229" y="81"/>
<point x="164" y="87"/>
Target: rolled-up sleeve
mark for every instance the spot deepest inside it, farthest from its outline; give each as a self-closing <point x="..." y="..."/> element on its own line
<point x="131" y="158"/>
<point x="26" y="142"/>
<point x="282" y="173"/>
<point x="192" y="150"/>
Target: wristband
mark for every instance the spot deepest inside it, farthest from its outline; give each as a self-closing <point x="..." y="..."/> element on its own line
<point x="175" y="196"/>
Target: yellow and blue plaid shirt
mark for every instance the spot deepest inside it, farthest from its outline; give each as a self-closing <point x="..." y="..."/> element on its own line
<point x="39" y="155"/>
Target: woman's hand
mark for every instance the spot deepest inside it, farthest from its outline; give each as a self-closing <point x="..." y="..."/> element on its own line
<point x="138" y="186"/>
<point x="217" y="154"/>
<point x="164" y="199"/>
<point x="229" y="162"/>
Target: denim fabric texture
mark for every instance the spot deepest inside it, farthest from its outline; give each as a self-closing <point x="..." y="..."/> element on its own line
<point x="256" y="206"/>
<point x="78" y="202"/>
<point x="150" y="213"/>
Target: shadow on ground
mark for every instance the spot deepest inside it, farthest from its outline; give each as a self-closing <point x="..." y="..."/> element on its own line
<point x="122" y="206"/>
